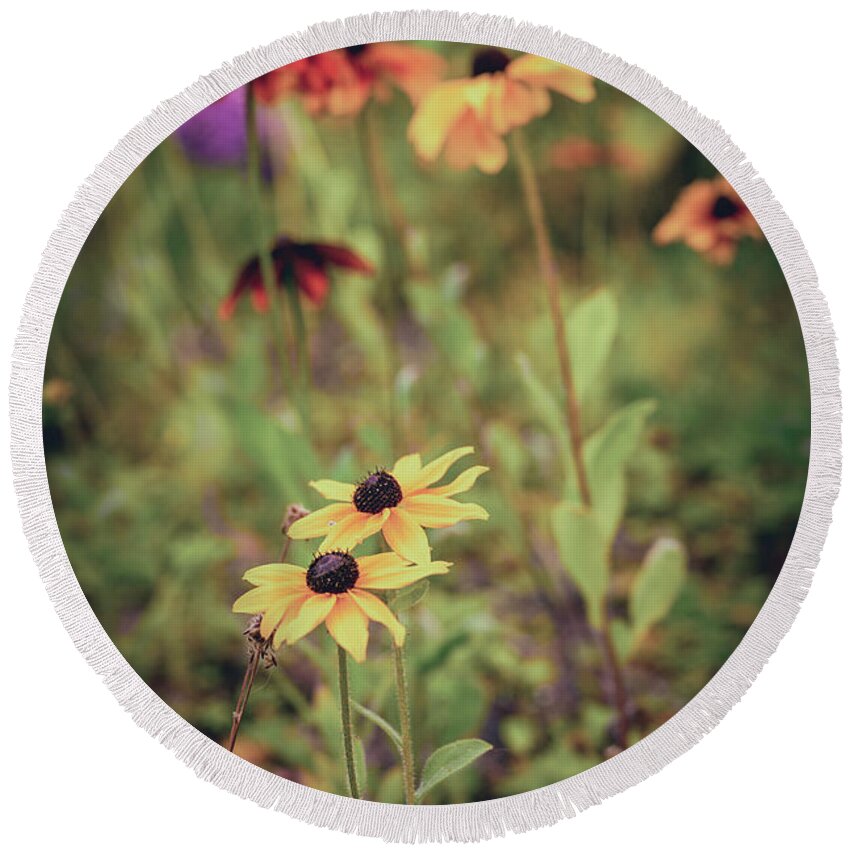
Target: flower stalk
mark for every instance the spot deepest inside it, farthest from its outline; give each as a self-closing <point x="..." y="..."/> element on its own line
<point x="408" y="765"/>
<point x="345" y="717"/>
<point x="267" y="269"/>
<point x="572" y="409"/>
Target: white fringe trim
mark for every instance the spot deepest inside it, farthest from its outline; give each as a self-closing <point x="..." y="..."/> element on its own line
<point x="473" y="821"/>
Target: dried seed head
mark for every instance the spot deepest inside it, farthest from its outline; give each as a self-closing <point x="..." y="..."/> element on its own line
<point x="293" y="513"/>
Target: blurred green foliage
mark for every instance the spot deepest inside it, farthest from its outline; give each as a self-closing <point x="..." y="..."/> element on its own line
<point x="173" y="446"/>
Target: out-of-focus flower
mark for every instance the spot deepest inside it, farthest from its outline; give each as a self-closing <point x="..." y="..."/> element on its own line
<point x="57" y="391"/>
<point x="306" y="264"/>
<point x="333" y="590"/>
<point x="709" y="217"/>
<point x="217" y="135"/>
<point x="401" y="504"/>
<point x="340" y="82"/>
<point x="578" y="153"/>
<point x="466" y="119"/>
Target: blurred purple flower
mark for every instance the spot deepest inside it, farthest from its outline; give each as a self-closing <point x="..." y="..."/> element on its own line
<point x="217" y="134"/>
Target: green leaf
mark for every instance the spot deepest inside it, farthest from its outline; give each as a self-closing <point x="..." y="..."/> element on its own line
<point x="584" y="552"/>
<point x="606" y="454"/>
<point x="449" y="760"/>
<point x="411" y="595"/>
<point x="656" y="585"/>
<point x="591" y="327"/>
<point x="384" y="725"/>
<point x="547" y="409"/>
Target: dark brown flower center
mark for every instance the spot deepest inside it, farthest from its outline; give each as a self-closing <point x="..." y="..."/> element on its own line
<point x="724" y="208"/>
<point x="376" y="492"/>
<point x="332" y="572"/>
<point x="489" y="61"/>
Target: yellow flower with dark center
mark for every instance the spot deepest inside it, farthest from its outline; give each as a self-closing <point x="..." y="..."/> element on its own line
<point x="401" y="503"/>
<point x="466" y="119"/>
<point x="333" y="590"/>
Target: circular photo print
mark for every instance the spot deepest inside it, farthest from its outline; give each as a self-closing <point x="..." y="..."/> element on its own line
<point x="426" y="422"/>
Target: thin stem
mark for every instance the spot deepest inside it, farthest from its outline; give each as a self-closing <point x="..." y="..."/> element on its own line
<point x="620" y="696"/>
<point x="263" y="237"/>
<point x="549" y="273"/>
<point x="407" y="761"/>
<point x="242" y="702"/>
<point x="345" y="716"/>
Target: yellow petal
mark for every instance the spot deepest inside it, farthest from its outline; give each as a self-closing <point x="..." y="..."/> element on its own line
<point x="275" y="574"/>
<point x="260" y="599"/>
<point x="315" y="608"/>
<point x="386" y="560"/>
<point x="334" y="490"/>
<point x="538" y="71"/>
<point x="434" y="117"/>
<point x="349" y="627"/>
<point x="439" y="511"/>
<point x="461" y="484"/>
<point x="406" y="469"/>
<point x="390" y="578"/>
<point x="320" y="522"/>
<point x="407" y="537"/>
<point x="375" y="610"/>
<point x="277" y="612"/>
<point x="354" y="529"/>
<point x="435" y="470"/>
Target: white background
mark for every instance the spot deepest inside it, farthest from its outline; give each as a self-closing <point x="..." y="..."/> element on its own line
<point x="76" y="77"/>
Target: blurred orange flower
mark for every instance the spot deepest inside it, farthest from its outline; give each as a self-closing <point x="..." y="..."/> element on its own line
<point x="467" y="118"/>
<point x="307" y="264"/>
<point x="709" y="217"/>
<point x="578" y="152"/>
<point x="340" y="82"/>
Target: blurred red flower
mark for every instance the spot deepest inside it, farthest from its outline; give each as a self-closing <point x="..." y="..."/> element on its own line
<point x="340" y="82"/>
<point x="709" y="217"/>
<point x="306" y="264"/>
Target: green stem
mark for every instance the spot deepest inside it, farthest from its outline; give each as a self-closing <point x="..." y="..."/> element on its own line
<point x="407" y="762"/>
<point x="549" y="273"/>
<point x="263" y="237"/>
<point x="345" y="715"/>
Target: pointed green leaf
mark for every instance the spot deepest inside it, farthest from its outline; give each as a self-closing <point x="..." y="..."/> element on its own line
<point x="384" y="725"/>
<point x="449" y="760"/>
<point x="591" y="327"/>
<point x="656" y="585"/>
<point x="606" y="454"/>
<point x="411" y="595"/>
<point x="584" y="553"/>
<point x="547" y="409"/>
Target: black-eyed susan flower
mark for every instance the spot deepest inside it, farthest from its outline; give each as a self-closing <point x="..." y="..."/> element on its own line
<point x="709" y="217"/>
<point x="306" y="264"/>
<point x="340" y="82"/>
<point x="333" y="590"/>
<point x="401" y="503"/>
<point x="466" y="119"/>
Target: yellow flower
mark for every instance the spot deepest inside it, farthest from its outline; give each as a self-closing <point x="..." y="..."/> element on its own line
<point x="401" y="504"/>
<point x="466" y="119"/>
<point x="333" y="590"/>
